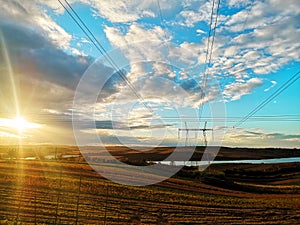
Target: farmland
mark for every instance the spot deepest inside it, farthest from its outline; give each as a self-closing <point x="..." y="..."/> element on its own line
<point x="71" y="192"/>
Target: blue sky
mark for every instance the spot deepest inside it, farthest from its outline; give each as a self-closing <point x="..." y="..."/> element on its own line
<point x="161" y="48"/>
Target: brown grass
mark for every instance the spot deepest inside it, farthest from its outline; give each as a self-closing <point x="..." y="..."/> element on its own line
<point x="44" y="192"/>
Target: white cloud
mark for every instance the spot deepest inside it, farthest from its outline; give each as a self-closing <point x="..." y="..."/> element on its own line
<point x="135" y="34"/>
<point x="269" y="43"/>
<point x="188" y="52"/>
<point x="125" y="11"/>
<point x="273" y="85"/>
<point x="186" y="56"/>
<point x="235" y="91"/>
<point x="238" y="3"/>
<point x="199" y="31"/>
<point x="32" y="15"/>
<point x="190" y="17"/>
<point x="259" y="39"/>
<point x="138" y="45"/>
<point x="163" y="69"/>
<point x="122" y="11"/>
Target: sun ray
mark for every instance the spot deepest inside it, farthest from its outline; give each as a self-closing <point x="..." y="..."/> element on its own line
<point x="10" y="74"/>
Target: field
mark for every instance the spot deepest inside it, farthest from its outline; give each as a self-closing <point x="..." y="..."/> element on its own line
<point x="70" y="192"/>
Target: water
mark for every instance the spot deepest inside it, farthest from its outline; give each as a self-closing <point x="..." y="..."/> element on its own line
<point x="52" y="157"/>
<point x="250" y="161"/>
<point x="70" y="156"/>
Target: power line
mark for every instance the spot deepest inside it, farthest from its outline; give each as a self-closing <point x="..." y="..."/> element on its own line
<point x="234" y="119"/>
<point x="79" y="25"/>
<point x="209" y="48"/>
<point x="283" y="87"/>
<point x="214" y="35"/>
<point x="243" y="27"/>
<point x="205" y="62"/>
<point x="240" y="117"/>
<point x="161" y="18"/>
<point x="101" y="49"/>
<point x="209" y="34"/>
<point x="235" y="47"/>
<point x="104" y="51"/>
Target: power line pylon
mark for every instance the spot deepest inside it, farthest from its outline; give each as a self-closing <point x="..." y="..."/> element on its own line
<point x="187" y="130"/>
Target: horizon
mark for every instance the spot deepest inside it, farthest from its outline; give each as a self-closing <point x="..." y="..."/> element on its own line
<point x="141" y="146"/>
<point x="166" y="67"/>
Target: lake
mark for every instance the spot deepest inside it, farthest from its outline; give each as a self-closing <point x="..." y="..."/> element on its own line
<point x="250" y="161"/>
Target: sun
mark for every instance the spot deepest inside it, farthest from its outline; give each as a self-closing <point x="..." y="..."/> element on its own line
<point x="21" y="124"/>
<point x="18" y="123"/>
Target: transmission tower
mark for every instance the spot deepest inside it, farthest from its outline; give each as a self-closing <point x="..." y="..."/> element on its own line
<point x="196" y="130"/>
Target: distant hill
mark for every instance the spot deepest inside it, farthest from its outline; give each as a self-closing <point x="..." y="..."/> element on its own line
<point x="155" y="154"/>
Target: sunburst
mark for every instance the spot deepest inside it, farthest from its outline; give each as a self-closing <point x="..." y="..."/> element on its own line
<point x="18" y="123"/>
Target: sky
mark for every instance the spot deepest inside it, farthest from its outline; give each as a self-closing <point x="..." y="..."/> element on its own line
<point x="158" y="66"/>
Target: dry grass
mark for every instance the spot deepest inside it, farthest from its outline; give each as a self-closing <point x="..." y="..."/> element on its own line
<point x="39" y="192"/>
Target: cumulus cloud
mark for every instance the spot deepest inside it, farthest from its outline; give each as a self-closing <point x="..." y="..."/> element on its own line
<point x="138" y="45"/>
<point x="193" y="13"/>
<point x="270" y="38"/>
<point x="238" y="3"/>
<point x="125" y="11"/>
<point x="255" y="40"/>
<point x="261" y="42"/>
<point x="141" y="44"/>
<point x="49" y="60"/>
<point x="235" y="91"/>
<point x="30" y="14"/>
<point x="191" y="17"/>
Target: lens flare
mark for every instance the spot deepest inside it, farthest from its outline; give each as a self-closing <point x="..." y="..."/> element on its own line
<point x="21" y="124"/>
